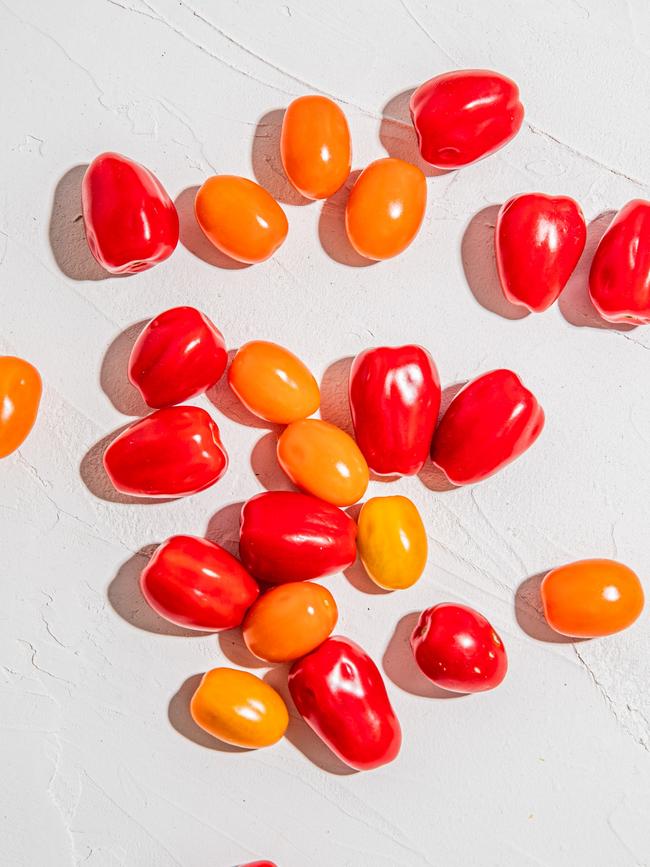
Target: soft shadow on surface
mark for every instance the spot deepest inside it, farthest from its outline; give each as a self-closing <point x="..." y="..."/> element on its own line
<point x="223" y="527"/>
<point x="180" y="718"/>
<point x="193" y="239"/>
<point x="113" y="375"/>
<point x="234" y="649"/>
<point x="264" y="462"/>
<point x="334" y="403"/>
<point x="432" y="477"/>
<point x="331" y="228"/>
<point x="226" y="401"/>
<point x="267" y="162"/>
<point x="398" y="135"/>
<point x="359" y="579"/>
<point x="529" y="612"/>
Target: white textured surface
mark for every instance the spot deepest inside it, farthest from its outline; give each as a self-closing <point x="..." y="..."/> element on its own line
<point x="101" y="765"/>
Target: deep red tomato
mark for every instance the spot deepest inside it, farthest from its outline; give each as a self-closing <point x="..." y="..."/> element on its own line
<point x="462" y="116"/>
<point x="170" y="453"/>
<point x="340" y="693"/>
<point x="178" y="355"/>
<point x="197" y="584"/>
<point x="490" y="422"/>
<point x="458" y="650"/>
<point x="131" y="223"/>
<point x="287" y="536"/>
<point x="259" y="864"/>
<point x="394" y="400"/>
<point x="539" y="240"/>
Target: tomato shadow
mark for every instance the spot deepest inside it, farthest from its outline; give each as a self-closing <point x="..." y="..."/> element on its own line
<point x="265" y="466"/>
<point x="334" y="403"/>
<point x="223" y="527"/>
<point x="267" y="162"/>
<point x="432" y="477"/>
<point x="231" y="644"/>
<point x="180" y="718"/>
<point x="331" y="228"/>
<point x="226" y="401"/>
<point x="193" y="239"/>
<point x="529" y="612"/>
<point x="113" y="374"/>
<point x="398" y="136"/>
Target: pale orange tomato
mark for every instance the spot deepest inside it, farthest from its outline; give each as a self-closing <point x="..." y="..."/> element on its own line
<point x="20" y="395"/>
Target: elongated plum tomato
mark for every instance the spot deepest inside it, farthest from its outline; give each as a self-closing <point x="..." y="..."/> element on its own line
<point x="315" y="146"/>
<point x="457" y="649"/>
<point x="273" y="383"/>
<point x="392" y="542"/>
<point x="324" y="461"/>
<point x="20" y="395"/>
<point x="171" y="453"/>
<point x="239" y="708"/>
<point x="590" y="598"/>
<point x="131" y="223"/>
<point x="462" y="116"/>
<point x="385" y="208"/>
<point x="240" y="218"/>
<point x="539" y="240"/>
<point x="287" y="536"/>
<point x="178" y="355"/>
<point x="195" y="583"/>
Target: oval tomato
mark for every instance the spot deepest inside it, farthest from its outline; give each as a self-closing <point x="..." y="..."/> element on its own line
<point x="20" y="396"/>
<point x="392" y="542"/>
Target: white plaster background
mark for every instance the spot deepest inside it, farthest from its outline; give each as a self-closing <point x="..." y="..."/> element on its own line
<point x="100" y="763"/>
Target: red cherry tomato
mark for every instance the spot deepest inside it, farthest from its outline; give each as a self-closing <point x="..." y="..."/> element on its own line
<point x="194" y="583"/>
<point x="539" y="240"/>
<point x="170" y="453"/>
<point x="457" y="649"/>
<point x="287" y="536"/>
<point x="340" y="693"/>
<point x="131" y="223"/>
<point x="394" y="400"/>
<point x="490" y="422"/>
<point x="619" y="280"/>
<point x="462" y="116"/>
<point x="259" y="864"/>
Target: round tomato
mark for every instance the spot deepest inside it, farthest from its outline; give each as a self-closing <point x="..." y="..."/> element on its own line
<point x="392" y="542"/>
<point x="20" y="395"/>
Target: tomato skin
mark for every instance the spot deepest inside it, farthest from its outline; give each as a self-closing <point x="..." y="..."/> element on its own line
<point x="590" y="598"/>
<point x="131" y="223"/>
<point x="178" y="355"/>
<point x="539" y="240"/>
<point x="490" y="423"/>
<point x="287" y="536"/>
<point x="619" y="279"/>
<point x="259" y="864"/>
<point x="315" y="146"/>
<point x="394" y="400"/>
<point x="392" y="542"/>
<point x="465" y="115"/>
<point x="173" y="452"/>
<point x="450" y="642"/>
<point x="20" y="396"/>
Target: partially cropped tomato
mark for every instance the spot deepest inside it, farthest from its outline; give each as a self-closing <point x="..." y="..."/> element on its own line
<point x="490" y="422"/>
<point x="385" y="208"/>
<point x="462" y="116"/>
<point x="20" y="395"/>
<point x="457" y="649"/>
<point x="340" y="693"/>
<point x="315" y="146"/>
<point x="619" y="280"/>
<point x="131" y="223"/>
<point x="539" y="240"/>
<point x="273" y="383"/>
<point x="590" y="598"/>
<point x="239" y="708"/>
<point x="240" y="218"/>
<point x="394" y="400"/>
<point x="195" y="583"/>
<point x="324" y="461"/>
<point x="392" y="542"/>
<point x="287" y="536"/>
<point x="171" y="453"/>
<point x="259" y="864"/>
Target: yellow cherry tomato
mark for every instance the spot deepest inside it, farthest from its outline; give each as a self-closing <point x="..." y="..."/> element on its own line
<point x="392" y="542"/>
<point x="20" y="395"/>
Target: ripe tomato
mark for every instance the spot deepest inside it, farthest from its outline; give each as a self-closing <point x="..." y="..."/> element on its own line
<point x="392" y="542"/>
<point x="20" y="395"/>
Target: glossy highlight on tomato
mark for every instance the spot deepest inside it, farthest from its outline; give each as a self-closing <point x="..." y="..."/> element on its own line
<point x="392" y="542"/>
<point x="20" y="396"/>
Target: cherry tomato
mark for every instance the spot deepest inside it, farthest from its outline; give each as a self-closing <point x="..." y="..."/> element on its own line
<point x="131" y="223"/>
<point x="392" y="542"/>
<point x="178" y="355"/>
<point x="385" y="208"/>
<point x="194" y="583"/>
<point x="539" y="240"/>
<point x="240" y="218"/>
<point x="315" y="146"/>
<point x="20" y="395"/>
<point x="286" y="536"/>
<point x="239" y="708"/>
<point x="619" y="280"/>
<point x="289" y="621"/>
<point x="591" y="598"/>
<point x="259" y="864"/>
<point x="171" y="453"/>
<point x="457" y="649"/>
<point x="273" y="383"/>
<point x="394" y="401"/>
<point x="490" y="422"/>
<point x="324" y="461"/>
<point x="462" y="116"/>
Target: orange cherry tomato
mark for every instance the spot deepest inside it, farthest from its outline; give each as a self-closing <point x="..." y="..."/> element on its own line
<point x="315" y="146"/>
<point x="590" y="598"/>
<point x="323" y="460"/>
<point x="289" y="621"/>
<point x="240" y="218"/>
<point x="385" y="208"/>
<point x="20" y="395"/>
<point x="273" y="383"/>
<point x="392" y="542"/>
<point x="239" y="708"/>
